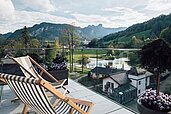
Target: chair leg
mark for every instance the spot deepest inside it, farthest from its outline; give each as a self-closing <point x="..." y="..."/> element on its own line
<point x="25" y="109"/>
<point x="71" y="111"/>
<point x="1" y="87"/>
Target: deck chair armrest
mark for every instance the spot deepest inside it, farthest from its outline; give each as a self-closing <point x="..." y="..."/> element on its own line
<point x="78" y="101"/>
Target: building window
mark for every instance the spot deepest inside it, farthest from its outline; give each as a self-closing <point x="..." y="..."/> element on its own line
<point x="112" y="85"/>
<point x="139" y="82"/>
<point x="139" y="91"/>
<point x="146" y="81"/>
<point x="107" y="86"/>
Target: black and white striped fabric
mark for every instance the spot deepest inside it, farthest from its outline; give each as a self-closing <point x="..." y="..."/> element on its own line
<point x="26" y="63"/>
<point x="83" y="107"/>
<point x="33" y="95"/>
<point x="29" y="93"/>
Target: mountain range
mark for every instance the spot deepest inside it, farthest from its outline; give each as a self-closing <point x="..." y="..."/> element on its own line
<point x="50" y="31"/>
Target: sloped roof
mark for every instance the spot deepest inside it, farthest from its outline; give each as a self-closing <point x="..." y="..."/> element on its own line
<point x="139" y="71"/>
<point x="148" y="74"/>
<point x="105" y="71"/>
<point x="120" y="78"/>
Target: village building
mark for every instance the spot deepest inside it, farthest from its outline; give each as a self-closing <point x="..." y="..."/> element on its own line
<point x="114" y="81"/>
<point x="140" y="78"/>
<point x="122" y="86"/>
<point x="101" y="72"/>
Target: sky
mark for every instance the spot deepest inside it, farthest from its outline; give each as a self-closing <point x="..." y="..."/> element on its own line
<point x="15" y="14"/>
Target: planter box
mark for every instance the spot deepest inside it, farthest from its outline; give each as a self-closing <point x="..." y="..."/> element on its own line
<point x="57" y="74"/>
<point x="144" y="110"/>
<point x="15" y="69"/>
<point x="11" y="69"/>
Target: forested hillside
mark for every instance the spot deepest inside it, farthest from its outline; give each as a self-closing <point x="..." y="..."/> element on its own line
<point x="142" y="31"/>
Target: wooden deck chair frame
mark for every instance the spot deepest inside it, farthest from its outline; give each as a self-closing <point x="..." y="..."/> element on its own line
<point x="74" y="104"/>
<point x="60" y="83"/>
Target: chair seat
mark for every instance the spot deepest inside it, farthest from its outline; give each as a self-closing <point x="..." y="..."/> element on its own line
<point x="62" y="108"/>
<point x="28" y="67"/>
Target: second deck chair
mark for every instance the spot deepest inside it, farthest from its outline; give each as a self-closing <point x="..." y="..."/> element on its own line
<point x="26" y="65"/>
<point x="31" y="91"/>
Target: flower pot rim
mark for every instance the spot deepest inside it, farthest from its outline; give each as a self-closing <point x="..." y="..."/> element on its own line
<point x="140" y="105"/>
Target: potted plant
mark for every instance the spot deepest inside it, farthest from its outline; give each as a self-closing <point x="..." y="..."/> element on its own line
<point x="151" y="103"/>
<point x="58" y="68"/>
<point x="155" y="57"/>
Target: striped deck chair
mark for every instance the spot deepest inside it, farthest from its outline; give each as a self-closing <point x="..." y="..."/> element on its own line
<point x="31" y="91"/>
<point x="26" y="65"/>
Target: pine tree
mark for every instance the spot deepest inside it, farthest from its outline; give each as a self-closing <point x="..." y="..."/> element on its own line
<point x="26" y="39"/>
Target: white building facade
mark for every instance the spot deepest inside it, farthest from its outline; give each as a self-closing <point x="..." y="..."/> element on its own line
<point x="139" y="78"/>
<point x="140" y="81"/>
<point x="109" y="84"/>
<point x="114" y="81"/>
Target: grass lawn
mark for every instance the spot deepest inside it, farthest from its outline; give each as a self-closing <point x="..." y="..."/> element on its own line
<point x="90" y="53"/>
<point x="85" y="70"/>
<point x="78" y="72"/>
<point x="77" y="57"/>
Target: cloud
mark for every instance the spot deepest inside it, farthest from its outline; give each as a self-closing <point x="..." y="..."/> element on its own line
<point x="159" y="5"/>
<point x="26" y="18"/>
<point x="129" y="15"/>
<point x="111" y="13"/>
<point x="125" y="17"/>
<point x="34" y="5"/>
<point x="6" y="8"/>
<point x="12" y="19"/>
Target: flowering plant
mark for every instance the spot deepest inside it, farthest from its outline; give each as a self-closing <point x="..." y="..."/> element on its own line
<point x="150" y="99"/>
<point x="59" y="66"/>
<point x="59" y="63"/>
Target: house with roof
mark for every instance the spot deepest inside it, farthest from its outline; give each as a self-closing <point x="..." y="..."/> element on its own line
<point x="115" y="80"/>
<point x="122" y="86"/>
<point x="140" y="78"/>
<point x="117" y="86"/>
<point x="101" y="72"/>
<point x="137" y="77"/>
